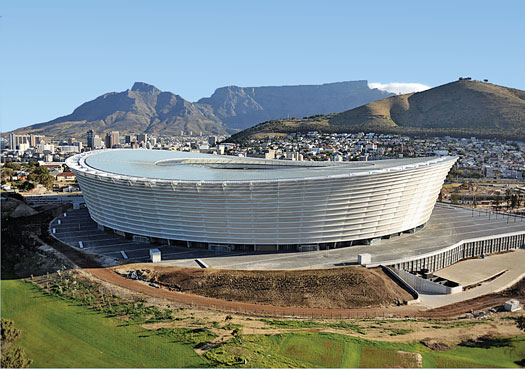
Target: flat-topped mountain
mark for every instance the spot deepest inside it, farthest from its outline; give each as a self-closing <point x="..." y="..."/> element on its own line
<point x="241" y="107"/>
<point x="146" y="109"/>
<point x="461" y="108"/>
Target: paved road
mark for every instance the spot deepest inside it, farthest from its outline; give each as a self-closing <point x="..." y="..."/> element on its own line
<point x="447" y="226"/>
<point x="472" y="271"/>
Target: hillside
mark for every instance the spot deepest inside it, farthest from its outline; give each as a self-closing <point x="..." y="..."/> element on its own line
<point x="144" y="108"/>
<point x="462" y="108"/>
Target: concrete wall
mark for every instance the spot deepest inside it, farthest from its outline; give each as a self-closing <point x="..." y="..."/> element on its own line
<point x="400" y="281"/>
<point x="54" y="199"/>
<point x="424" y="285"/>
<point x="465" y="249"/>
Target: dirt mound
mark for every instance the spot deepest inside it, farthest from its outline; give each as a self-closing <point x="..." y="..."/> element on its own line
<point x="349" y="287"/>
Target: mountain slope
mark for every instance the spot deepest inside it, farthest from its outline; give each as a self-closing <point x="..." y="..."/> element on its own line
<point x="456" y="105"/>
<point x="241" y="107"/>
<point x="457" y="108"/>
<point x="146" y="109"/>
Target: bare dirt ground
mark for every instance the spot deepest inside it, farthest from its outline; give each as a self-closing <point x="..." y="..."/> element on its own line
<point x="342" y="288"/>
<point x="188" y="299"/>
<point x="109" y="275"/>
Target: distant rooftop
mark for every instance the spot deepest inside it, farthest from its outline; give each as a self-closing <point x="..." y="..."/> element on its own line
<point x="185" y="166"/>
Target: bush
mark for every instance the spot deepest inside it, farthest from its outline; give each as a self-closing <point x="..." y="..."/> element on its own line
<point x="9" y="332"/>
<point x="12" y="357"/>
<point x="194" y="337"/>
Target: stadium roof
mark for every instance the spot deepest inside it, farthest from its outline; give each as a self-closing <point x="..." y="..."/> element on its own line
<point x="185" y="166"/>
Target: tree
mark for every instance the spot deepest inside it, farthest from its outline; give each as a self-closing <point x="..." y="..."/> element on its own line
<point x="12" y="357"/>
<point x="42" y="176"/>
<point x="15" y="358"/>
<point x="9" y="332"/>
<point x="7" y="173"/>
<point x="520" y="322"/>
<point x="26" y="186"/>
<point x="497" y="201"/>
<point x="12" y="165"/>
<point x="508" y="194"/>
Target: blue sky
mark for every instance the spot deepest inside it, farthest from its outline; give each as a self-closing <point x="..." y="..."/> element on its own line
<point x="59" y="54"/>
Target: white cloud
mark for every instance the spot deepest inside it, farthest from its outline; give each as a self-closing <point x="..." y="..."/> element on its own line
<point x="399" y="88"/>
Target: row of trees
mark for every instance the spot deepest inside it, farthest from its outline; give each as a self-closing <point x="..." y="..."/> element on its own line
<point x="513" y="200"/>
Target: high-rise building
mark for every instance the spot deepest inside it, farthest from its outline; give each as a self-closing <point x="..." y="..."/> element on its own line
<point x="36" y="139"/>
<point x="90" y="139"/>
<point x="112" y="139"/>
<point x="142" y="137"/>
<point x="115" y="138"/>
<point x="11" y="141"/>
<point x="97" y="142"/>
<point x="14" y="140"/>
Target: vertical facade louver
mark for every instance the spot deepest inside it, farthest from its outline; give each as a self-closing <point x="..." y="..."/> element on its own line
<point x="344" y="204"/>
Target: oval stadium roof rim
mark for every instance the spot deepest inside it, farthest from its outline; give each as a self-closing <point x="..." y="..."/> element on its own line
<point x="143" y="165"/>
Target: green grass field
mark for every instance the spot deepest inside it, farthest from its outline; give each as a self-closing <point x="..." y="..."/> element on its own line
<point x="304" y="349"/>
<point x="56" y="333"/>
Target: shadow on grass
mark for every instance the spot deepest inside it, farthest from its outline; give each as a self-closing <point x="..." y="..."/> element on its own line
<point x="521" y="363"/>
<point x="486" y="342"/>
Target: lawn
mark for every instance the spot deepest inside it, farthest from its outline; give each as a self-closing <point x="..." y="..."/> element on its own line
<point x="501" y="355"/>
<point x="56" y="333"/>
<point x="314" y="349"/>
<point x="317" y="349"/>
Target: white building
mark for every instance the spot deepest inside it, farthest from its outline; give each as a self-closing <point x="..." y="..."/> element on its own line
<point x="256" y="204"/>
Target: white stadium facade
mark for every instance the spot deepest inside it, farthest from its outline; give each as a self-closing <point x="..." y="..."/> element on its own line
<point x="249" y="204"/>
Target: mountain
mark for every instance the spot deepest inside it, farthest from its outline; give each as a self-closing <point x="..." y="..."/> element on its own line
<point x="146" y="109"/>
<point x="241" y="107"/>
<point x="462" y="108"/>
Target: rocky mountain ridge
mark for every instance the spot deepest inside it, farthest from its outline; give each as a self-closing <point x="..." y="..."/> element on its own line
<point x="146" y="109"/>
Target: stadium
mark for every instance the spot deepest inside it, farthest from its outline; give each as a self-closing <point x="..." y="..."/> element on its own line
<point x="248" y="204"/>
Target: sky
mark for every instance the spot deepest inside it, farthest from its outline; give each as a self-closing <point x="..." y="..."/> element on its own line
<point x="56" y="55"/>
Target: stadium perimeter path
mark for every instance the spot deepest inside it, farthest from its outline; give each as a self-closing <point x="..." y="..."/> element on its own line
<point x="446" y="226"/>
<point x="471" y="271"/>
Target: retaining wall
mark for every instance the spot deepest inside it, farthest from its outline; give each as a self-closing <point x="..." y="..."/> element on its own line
<point x="465" y="249"/>
<point x="424" y="285"/>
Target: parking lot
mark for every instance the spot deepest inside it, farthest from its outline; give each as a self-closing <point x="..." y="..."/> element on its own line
<point x="447" y="226"/>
